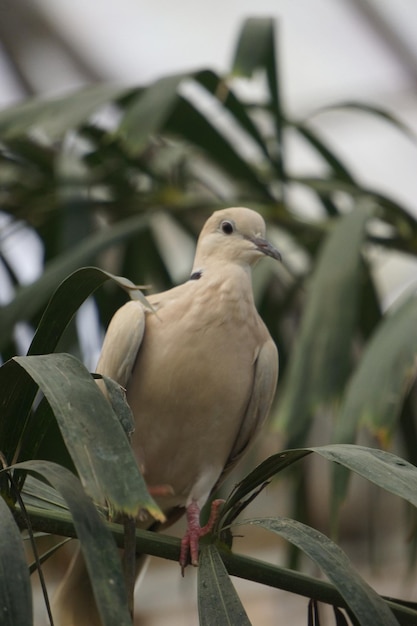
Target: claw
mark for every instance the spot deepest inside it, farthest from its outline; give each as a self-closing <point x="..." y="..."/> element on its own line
<point x="190" y="541"/>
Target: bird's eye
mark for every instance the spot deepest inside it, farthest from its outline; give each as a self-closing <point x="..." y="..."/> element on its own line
<point x="227" y="227"/>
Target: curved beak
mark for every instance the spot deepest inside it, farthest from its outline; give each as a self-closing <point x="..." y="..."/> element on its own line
<point x="266" y="248"/>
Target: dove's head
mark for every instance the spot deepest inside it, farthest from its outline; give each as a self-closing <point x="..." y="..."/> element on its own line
<point x="234" y="235"/>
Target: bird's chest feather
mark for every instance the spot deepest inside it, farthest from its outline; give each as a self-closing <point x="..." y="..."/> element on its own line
<point x="190" y="388"/>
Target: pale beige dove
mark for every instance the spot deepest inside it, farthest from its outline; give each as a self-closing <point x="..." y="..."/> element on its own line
<point x="200" y="373"/>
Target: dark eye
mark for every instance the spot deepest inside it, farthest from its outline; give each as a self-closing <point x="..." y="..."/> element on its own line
<point x="227" y="227"/>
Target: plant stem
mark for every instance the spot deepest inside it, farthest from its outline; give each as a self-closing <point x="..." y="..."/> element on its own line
<point x="165" y="546"/>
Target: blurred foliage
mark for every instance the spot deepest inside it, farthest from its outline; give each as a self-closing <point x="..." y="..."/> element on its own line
<point x="104" y="173"/>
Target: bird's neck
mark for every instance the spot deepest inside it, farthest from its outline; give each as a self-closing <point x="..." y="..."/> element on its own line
<point x="227" y="280"/>
<point x="225" y="271"/>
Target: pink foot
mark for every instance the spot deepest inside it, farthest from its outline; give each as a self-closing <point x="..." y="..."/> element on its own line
<point x="189" y="543"/>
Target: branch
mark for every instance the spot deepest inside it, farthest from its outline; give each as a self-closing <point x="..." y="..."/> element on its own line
<point x="167" y="547"/>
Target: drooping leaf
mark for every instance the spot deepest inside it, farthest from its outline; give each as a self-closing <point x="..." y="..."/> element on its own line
<point x="374" y="111"/>
<point x="162" y="108"/>
<point x="364" y="602"/>
<point x="97" y="545"/>
<point x="321" y="359"/>
<point x="188" y="122"/>
<point x="384" y="469"/>
<point x="92" y="432"/>
<point x="235" y="107"/>
<point x="393" y="213"/>
<point x="338" y="169"/>
<point x="19" y="429"/>
<point x="379" y="386"/>
<point x="31" y="298"/>
<point x="255" y="481"/>
<point x="256" y="49"/>
<point x="388" y="471"/>
<point x="67" y="299"/>
<point x="218" y="602"/>
<point x="36" y="493"/>
<point x="383" y="377"/>
<point x="117" y="398"/>
<point x="147" y="113"/>
<point x="56" y="116"/>
<point x="15" y="589"/>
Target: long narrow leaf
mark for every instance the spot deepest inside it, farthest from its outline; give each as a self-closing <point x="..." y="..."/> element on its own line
<point x="31" y="298"/>
<point x="97" y="545"/>
<point x="321" y="360"/>
<point x="92" y="432"/>
<point x="66" y="301"/>
<point x="218" y="602"/>
<point x="147" y="113"/>
<point x="55" y="116"/>
<point x="15" y="589"/>
<point x="161" y="108"/>
<point x="337" y="167"/>
<point x="373" y="110"/>
<point x="257" y="50"/>
<point x="384" y="469"/>
<point x="234" y="106"/>
<point x="379" y="385"/>
<point x="393" y="213"/>
<point x="364" y="602"/>
<point x="17" y="394"/>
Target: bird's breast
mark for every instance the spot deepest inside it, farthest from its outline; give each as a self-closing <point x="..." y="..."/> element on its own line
<point x="190" y="387"/>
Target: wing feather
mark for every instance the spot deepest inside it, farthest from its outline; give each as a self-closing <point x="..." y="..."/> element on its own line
<point x="122" y="342"/>
<point x="263" y="391"/>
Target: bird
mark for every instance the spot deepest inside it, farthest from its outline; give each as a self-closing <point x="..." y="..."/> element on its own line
<point x="200" y="371"/>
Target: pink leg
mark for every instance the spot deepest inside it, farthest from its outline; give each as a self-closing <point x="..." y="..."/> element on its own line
<point x="189" y="543"/>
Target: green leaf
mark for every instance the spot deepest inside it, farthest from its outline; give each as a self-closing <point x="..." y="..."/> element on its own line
<point x="218" y="602"/>
<point x="67" y="299"/>
<point x="31" y="298"/>
<point x="117" y="397"/>
<point x="148" y="112"/>
<point x="56" y="116"/>
<point x="15" y="402"/>
<point x="245" y="491"/>
<point x="383" y="377"/>
<point x="222" y="92"/>
<point x="384" y="469"/>
<point x="378" y="388"/>
<point x="92" y="432"/>
<point x="257" y="50"/>
<point x="18" y="391"/>
<point x="391" y="212"/>
<point x="37" y="493"/>
<point x="375" y="111"/>
<point x="15" y="589"/>
<point x="97" y="545"/>
<point x="388" y="471"/>
<point x="190" y="124"/>
<point x="364" y="602"/>
<point x="337" y="167"/>
<point x="321" y="360"/>
<point x="161" y="108"/>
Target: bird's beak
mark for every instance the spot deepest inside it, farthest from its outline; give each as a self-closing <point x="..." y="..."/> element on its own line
<point x="266" y="248"/>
